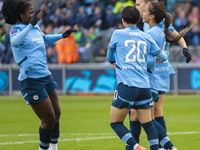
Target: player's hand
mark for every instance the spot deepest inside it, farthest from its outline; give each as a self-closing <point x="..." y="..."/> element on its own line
<point x="149" y="71"/>
<point x="35" y="19"/>
<point x="186" y="53"/>
<point x="68" y="32"/>
<point x="158" y="60"/>
<point x="112" y="63"/>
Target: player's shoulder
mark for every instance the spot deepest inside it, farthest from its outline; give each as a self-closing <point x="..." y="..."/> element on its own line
<point x="155" y="31"/>
<point x="37" y="26"/>
<point x="119" y="31"/>
<point x="16" y="28"/>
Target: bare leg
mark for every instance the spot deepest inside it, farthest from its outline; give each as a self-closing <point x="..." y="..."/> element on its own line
<point x="56" y="106"/>
<point x="45" y="111"/>
<point x="158" y="111"/>
<point x="118" y="115"/>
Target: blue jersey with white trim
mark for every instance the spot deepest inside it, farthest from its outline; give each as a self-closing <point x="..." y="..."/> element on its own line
<point x="28" y="47"/>
<point x="159" y="78"/>
<point x="131" y="46"/>
<point x="171" y="29"/>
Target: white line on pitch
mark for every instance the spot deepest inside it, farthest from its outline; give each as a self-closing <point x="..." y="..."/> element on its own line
<point x="87" y="138"/>
<point x="76" y="134"/>
<point x="61" y="140"/>
<point x="22" y="135"/>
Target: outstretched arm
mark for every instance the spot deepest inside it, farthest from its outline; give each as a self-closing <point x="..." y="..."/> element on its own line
<point x="182" y="43"/>
<point x="17" y="39"/>
<point x="54" y="38"/>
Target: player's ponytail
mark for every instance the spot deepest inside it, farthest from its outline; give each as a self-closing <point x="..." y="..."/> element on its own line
<point x="159" y="11"/>
<point x="12" y="9"/>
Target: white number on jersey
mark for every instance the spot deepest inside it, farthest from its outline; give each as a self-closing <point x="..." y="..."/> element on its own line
<point x="165" y="51"/>
<point x="133" y="59"/>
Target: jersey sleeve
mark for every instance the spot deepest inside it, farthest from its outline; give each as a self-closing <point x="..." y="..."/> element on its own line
<point x="17" y="35"/>
<point x="49" y="38"/>
<point x="112" y="47"/>
<point x="151" y="60"/>
<point x="52" y="38"/>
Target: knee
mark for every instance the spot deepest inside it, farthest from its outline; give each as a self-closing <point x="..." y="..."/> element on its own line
<point x="133" y="116"/>
<point x="48" y="122"/>
<point x="158" y="111"/>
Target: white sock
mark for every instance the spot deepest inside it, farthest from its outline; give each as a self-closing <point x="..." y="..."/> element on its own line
<point x="53" y="146"/>
<point x="135" y="146"/>
<point x="42" y="148"/>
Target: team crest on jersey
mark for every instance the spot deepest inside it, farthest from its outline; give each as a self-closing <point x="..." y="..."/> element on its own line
<point x="35" y="97"/>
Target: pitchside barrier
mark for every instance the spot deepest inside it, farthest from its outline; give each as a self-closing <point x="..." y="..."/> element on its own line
<point x="98" y="78"/>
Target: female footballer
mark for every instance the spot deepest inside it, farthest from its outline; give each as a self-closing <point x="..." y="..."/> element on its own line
<point x="36" y="82"/>
<point x="154" y="13"/>
<point x="129" y="48"/>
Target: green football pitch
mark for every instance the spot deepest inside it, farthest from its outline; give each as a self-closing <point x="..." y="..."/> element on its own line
<point x="84" y="123"/>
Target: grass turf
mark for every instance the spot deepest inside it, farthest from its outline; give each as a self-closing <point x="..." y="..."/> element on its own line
<point x="84" y="123"/>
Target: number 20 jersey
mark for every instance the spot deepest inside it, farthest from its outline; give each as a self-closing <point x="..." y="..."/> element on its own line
<point x="131" y="47"/>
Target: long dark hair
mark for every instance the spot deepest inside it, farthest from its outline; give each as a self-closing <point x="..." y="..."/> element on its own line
<point x="12" y="9"/>
<point x="159" y="11"/>
<point x="131" y="15"/>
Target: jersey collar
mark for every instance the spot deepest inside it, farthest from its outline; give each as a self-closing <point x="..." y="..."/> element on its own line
<point x="157" y="25"/>
<point x="132" y="27"/>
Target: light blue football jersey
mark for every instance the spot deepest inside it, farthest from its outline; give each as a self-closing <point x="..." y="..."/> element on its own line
<point x="28" y="47"/>
<point x="159" y="78"/>
<point x="130" y="47"/>
<point x="171" y="29"/>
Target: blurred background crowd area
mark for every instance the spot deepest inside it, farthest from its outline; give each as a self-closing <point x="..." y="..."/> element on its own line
<point x="95" y="21"/>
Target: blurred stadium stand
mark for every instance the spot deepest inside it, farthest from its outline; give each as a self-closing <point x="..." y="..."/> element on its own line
<point x="94" y="73"/>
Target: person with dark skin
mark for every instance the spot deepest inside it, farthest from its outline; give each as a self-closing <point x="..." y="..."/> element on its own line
<point x="36" y="82"/>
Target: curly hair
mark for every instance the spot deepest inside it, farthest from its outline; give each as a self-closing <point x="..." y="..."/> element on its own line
<point x="12" y="9"/>
<point x="159" y="11"/>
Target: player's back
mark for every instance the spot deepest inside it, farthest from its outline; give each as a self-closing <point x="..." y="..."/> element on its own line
<point x="132" y="46"/>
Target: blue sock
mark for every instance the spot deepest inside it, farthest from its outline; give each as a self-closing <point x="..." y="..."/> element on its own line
<point x="123" y="133"/>
<point x="55" y="134"/>
<point x="152" y="135"/>
<point x="161" y="120"/>
<point x="135" y="129"/>
<point x="45" y="137"/>
<point x="163" y="138"/>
